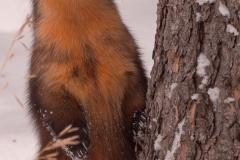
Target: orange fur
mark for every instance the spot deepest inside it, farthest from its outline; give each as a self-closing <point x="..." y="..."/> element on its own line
<point x="85" y="58"/>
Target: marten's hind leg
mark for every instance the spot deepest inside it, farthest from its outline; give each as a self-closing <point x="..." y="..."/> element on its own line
<point x="45" y="139"/>
<point x="52" y="112"/>
<point x="134" y="99"/>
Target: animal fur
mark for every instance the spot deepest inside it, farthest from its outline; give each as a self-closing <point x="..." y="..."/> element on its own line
<point x="88" y="74"/>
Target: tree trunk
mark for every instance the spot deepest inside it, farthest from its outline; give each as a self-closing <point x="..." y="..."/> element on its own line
<point x="193" y="99"/>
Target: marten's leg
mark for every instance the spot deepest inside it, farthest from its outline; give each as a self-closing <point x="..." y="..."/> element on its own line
<point x="55" y="110"/>
<point x="134" y="99"/>
<point x="44" y="141"/>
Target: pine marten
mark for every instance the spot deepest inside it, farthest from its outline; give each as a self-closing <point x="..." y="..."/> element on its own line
<point x="88" y="74"/>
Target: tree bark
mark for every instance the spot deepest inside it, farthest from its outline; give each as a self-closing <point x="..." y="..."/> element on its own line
<point x="200" y="57"/>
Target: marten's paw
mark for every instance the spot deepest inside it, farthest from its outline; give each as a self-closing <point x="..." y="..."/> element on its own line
<point x="79" y="151"/>
<point x="139" y="127"/>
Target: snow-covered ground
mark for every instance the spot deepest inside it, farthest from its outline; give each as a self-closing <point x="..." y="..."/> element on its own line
<point x="17" y="141"/>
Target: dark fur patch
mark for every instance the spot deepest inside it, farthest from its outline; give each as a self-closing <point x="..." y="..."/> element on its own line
<point x="75" y="72"/>
<point x="89" y="60"/>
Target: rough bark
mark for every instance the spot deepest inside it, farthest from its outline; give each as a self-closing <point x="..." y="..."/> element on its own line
<point x="210" y="128"/>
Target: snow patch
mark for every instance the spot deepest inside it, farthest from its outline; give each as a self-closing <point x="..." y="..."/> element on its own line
<point x="212" y="1"/>
<point x="157" y="142"/>
<point x="200" y="86"/>
<point x="194" y="96"/>
<point x="214" y="95"/>
<point x="201" y="2"/>
<point x="229" y="100"/>
<point x="154" y="120"/>
<point x="192" y="137"/>
<point x="205" y="80"/>
<point x="198" y="16"/>
<point x="224" y="10"/>
<point x="176" y="142"/>
<point x="173" y="86"/>
<point x="232" y="29"/>
<point x="203" y="62"/>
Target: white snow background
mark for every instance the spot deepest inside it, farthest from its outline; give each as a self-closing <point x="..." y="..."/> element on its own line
<point x="17" y="140"/>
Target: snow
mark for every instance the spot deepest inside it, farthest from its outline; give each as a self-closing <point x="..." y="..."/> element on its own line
<point x="229" y="100"/>
<point x="71" y="154"/>
<point x="17" y="139"/>
<point x="195" y="96"/>
<point x="232" y="29"/>
<point x="154" y="120"/>
<point x="205" y="80"/>
<point x="201" y="2"/>
<point x="198" y="16"/>
<point x="176" y="142"/>
<point x="12" y="14"/>
<point x="224" y="10"/>
<point x="214" y="95"/>
<point x="173" y="86"/>
<point x="157" y="143"/>
<point x="203" y="62"/>
<point x="200" y="86"/>
<point x="192" y="137"/>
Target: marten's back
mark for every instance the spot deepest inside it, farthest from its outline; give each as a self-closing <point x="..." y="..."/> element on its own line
<point x="88" y="74"/>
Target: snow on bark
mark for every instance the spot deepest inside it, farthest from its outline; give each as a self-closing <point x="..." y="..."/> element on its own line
<point x="157" y="143"/>
<point x="232" y="29"/>
<point x="224" y="10"/>
<point x="198" y="17"/>
<point x="214" y="95"/>
<point x="195" y="96"/>
<point x="201" y="2"/>
<point x="154" y="120"/>
<point x="200" y="86"/>
<point x="203" y="62"/>
<point x="229" y="100"/>
<point x="176" y="142"/>
<point x="173" y="86"/>
<point x="205" y="80"/>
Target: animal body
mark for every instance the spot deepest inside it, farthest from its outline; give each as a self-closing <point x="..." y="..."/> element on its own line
<point x="88" y="74"/>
